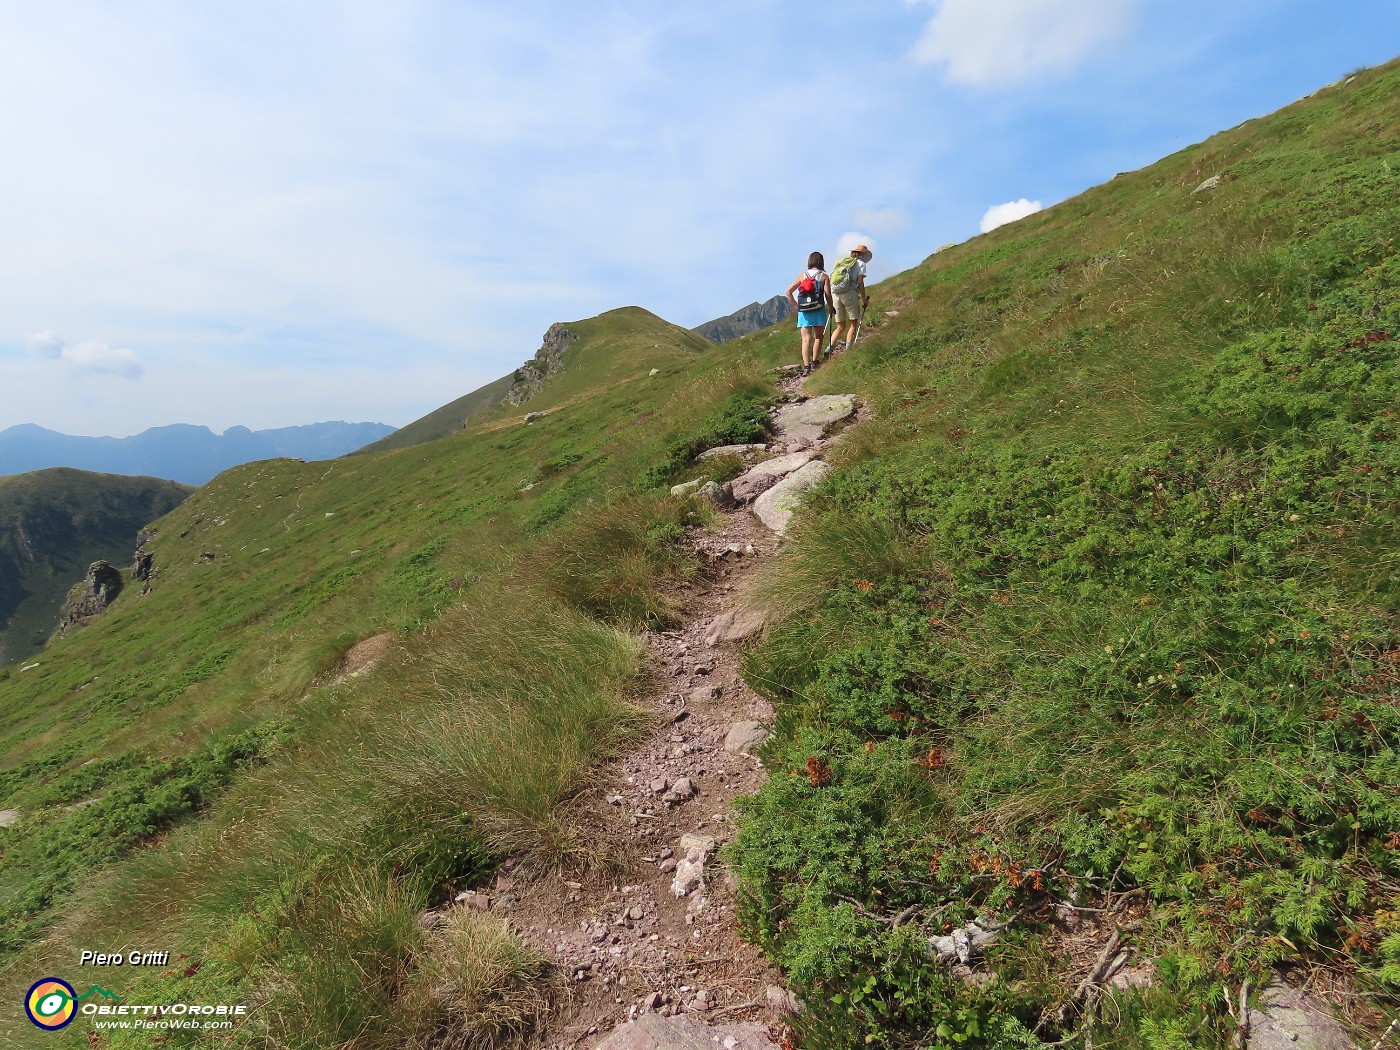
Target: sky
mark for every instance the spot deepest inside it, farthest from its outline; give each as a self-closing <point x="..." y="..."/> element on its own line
<point x="268" y="213"/>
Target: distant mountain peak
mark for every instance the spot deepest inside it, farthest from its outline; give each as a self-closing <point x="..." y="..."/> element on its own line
<point x="184" y="452"/>
<point x="750" y="319"/>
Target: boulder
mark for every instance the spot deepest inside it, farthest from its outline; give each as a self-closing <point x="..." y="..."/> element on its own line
<point x="743" y="737"/>
<point x="743" y="451"/>
<point x="757" y="480"/>
<point x="776" y="506"/>
<point x="530" y="417"/>
<point x="694" y="840"/>
<point x="9" y="818"/>
<point x="144" y="565"/>
<point x="735" y="625"/>
<point x="653" y="1031"/>
<point x="1211" y="183"/>
<point x="782" y="1001"/>
<point x="685" y="488"/>
<point x="722" y="496"/>
<point x="1289" y="1018"/>
<point x="690" y="872"/>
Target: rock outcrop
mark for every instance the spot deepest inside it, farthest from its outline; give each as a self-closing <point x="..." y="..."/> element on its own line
<point x="91" y="597"/>
<point x="548" y="361"/>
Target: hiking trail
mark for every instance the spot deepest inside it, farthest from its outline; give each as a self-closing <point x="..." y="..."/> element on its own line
<point x="648" y="945"/>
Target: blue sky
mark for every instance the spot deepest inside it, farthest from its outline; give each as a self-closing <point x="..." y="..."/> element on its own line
<point x="272" y="213"/>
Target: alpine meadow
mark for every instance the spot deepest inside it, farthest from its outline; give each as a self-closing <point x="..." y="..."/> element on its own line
<point x="1084" y="661"/>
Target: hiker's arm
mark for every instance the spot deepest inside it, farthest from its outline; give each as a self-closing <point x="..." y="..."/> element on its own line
<point x="792" y="288"/>
<point x="826" y="287"/>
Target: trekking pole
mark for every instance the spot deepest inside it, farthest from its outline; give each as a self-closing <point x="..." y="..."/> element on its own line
<point x="859" y="322"/>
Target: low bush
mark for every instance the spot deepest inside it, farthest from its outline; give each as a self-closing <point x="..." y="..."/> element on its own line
<point x="1026" y="672"/>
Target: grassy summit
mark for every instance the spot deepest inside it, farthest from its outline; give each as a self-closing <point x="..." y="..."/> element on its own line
<point x="1098" y="608"/>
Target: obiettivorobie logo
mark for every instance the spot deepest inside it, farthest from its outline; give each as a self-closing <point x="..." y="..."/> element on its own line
<point x="51" y="1002"/>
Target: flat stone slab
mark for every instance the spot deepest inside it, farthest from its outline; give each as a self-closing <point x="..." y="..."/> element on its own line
<point x="9" y="818"/>
<point x="1289" y="1018"/>
<point x="775" y="507"/>
<point x="657" y="1032"/>
<point x="818" y="411"/>
<point x="746" y="451"/>
<point x="757" y="479"/>
<point x="804" y="424"/>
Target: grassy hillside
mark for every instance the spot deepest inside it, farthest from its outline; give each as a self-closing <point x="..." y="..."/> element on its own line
<point x="1098" y="608"/>
<point x="631" y="339"/>
<point x="53" y="525"/>
<point x="1101" y="607"/>
<point x="443" y="421"/>
<point x="501" y="567"/>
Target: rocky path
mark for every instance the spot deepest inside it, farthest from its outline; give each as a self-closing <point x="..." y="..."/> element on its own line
<point x="647" y="941"/>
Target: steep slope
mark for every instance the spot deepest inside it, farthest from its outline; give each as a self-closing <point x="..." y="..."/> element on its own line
<point x="181" y="452"/>
<point x="53" y="524"/>
<point x="1090" y="645"/>
<point x="485" y="572"/>
<point x="750" y="319"/>
<point x="1079" y="656"/>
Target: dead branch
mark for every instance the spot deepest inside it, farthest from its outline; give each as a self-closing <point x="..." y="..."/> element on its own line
<point x="1110" y="960"/>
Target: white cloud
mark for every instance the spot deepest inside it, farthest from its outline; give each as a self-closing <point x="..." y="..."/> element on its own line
<point x="92" y="356"/>
<point x="45" y="344"/>
<point x="994" y="43"/>
<point x="1001" y="214"/>
<point x="847" y="241"/>
<point x="882" y="220"/>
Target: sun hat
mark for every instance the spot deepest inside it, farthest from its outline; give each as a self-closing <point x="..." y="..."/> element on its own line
<point x="861" y="249"/>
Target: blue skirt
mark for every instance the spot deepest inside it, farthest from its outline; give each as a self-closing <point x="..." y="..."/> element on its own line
<point x="811" y="318"/>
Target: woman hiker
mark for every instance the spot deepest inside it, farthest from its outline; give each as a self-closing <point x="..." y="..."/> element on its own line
<point x="813" y="288"/>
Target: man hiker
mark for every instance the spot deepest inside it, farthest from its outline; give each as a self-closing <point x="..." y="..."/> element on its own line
<point x="848" y="291"/>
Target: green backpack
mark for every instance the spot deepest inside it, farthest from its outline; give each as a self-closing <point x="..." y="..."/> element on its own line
<point x="845" y="277"/>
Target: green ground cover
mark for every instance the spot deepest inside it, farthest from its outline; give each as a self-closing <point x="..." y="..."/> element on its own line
<point x="190" y="759"/>
<point x="1103" y="603"/>
<point x="1099" y="605"/>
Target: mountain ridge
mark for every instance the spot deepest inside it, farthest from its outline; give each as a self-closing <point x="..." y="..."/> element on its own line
<point x="184" y="452"/>
<point x="748" y="319"/>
